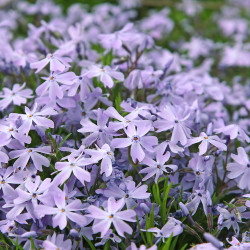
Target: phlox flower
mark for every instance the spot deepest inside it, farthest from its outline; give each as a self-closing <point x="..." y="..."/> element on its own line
<point x="52" y="87"/>
<point x="129" y="191"/>
<point x="157" y="167"/>
<point x="234" y="131"/>
<point x="141" y="247"/>
<point x="106" y="155"/>
<point x="27" y="197"/>
<point x="172" y="226"/>
<point x="240" y="168"/>
<point x="56" y="242"/>
<point x="36" y="117"/>
<point x="18" y="95"/>
<point x="230" y="218"/>
<point x="106" y="74"/>
<point x="75" y="166"/>
<point x="11" y="130"/>
<point x="236" y="245"/>
<point x="110" y="235"/>
<point x="56" y="61"/>
<point x="24" y="155"/>
<point x="63" y="211"/>
<point x="122" y="122"/>
<point x="137" y="139"/>
<point x="118" y="38"/>
<point x="112" y="215"/>
<point x="205" y="140"/>
<point x="98" y="132"/>
<point x="176" y="119"/>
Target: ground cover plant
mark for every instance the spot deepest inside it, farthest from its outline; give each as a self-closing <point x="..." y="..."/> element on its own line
<point x="124" y="125"/>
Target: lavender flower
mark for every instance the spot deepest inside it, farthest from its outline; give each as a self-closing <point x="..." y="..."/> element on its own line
<point x="112" y="215"/>
<point x="137" y="139"/>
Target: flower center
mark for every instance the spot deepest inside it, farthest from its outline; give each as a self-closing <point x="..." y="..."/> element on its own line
<point x="29" y="116"/>
<point x="63" y="210"/>
<point x="126" y="195"/>
<point x="109" y="153"/>
<point x="102" y="70"/>
<point x="34" y="195"/>
<point x="198" y="173"/>
<point x="159" y="166"/>
<point x="206" y="137"/>
<point x="29" y="150"/>
<point x="111" y="216"/>
<point x="3" y="181"/>
<point x="72" y="165"/>
<point x="11" y="129"/>
<point x="83" y="113"/>
<point x="136" y="138"/>
<point x="51" y="78"/>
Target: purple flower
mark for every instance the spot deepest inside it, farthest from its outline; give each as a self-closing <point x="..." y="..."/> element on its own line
<point x="235" y="244"/>
<point x="174" y="118"/>
<point x="56" y="61"/>
<point x="205" y="139"/>
<point x="56" y="242"/>
<point x="240" y="169"/>
<point x="11" y="130"/>
<point x="117" y="39"/>
<point x="110" y="235"/>
<point x="18" y="95"/>
<point x="137" y="139"/>
<point x="122" y="122"/>
<point x="141" y="247"/>
<point x="97" y="132"/>
<point x="106" y="74"/>
<point x="106" y="155"/>
<point x="112" y="215"/>
<point x="230" y="218"/>
<point x="134" y="80"/>
<point x="63" y="211"/>
<point x="233" y="131"/>
<point x="24" y="155"/>
<point x="128" y="191"/>
<point x="173" y="226"/>
<point x="34" y="116"/>
<point x="157" y="167"/>
<point x="195" y="199"/>
<point x="75" y="166"/>
<point x="51" y="86"/>
<point x="34" y="191"/>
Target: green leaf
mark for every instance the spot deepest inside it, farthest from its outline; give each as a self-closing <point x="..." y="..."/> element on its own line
<point x="174" y="243"/>
<point x="33" y="247"/>
<point x="141" y="233"/>
<point x="163" y="207"/>
<point x="156" y="194"/>
<point x="167" y="244"/>
<point x="90" y="243"/>
<point x="107" y="245"/>
<point x="184" y="247"/>
<point x="64" y="139"/>
<point x="118" y="101"/>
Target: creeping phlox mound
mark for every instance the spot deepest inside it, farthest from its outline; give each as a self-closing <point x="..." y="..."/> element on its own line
<point x="124" y="126"/>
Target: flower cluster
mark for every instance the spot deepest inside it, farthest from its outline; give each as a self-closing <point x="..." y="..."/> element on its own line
<point x="114" y="137"/>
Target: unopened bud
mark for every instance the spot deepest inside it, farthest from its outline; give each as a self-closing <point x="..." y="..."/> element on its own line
<point x="210" y="238"/>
